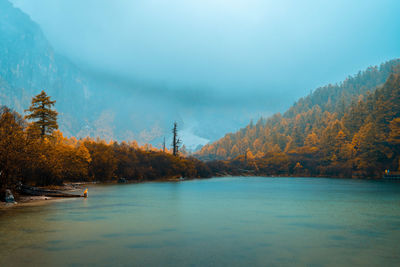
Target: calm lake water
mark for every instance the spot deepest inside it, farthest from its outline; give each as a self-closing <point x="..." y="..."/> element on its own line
<point x="215" y="222"/>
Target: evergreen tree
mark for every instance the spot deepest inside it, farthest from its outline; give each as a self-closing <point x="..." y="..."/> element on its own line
<point x="45" y="118"/>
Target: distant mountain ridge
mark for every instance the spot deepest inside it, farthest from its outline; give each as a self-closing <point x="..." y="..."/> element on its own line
<point x="331" y="97"/>
<point x="309" y="115"/>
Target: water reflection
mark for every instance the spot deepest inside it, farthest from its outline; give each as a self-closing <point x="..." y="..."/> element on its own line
<point x="226" y="221"/>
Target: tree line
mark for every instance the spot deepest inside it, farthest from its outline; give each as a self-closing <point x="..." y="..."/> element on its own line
<point x="328" y="133"/>
<point x="321" y="135"/>
<point x="33" y="151"/>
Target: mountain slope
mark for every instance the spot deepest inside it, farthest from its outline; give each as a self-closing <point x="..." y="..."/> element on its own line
<point x="360" y="140"/>
<point x="308" y="117"/>
<point x="96" y="104"/>
<point x="28" y="64"/>
<point x="87" y="105"/>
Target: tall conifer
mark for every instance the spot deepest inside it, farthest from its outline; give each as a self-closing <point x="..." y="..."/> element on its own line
<point x="41" y="112"/>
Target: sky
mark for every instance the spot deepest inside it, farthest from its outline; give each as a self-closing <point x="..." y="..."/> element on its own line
<point x="257" y="55"/>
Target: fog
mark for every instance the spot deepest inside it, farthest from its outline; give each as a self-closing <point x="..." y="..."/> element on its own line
<point x="241" y="58"/>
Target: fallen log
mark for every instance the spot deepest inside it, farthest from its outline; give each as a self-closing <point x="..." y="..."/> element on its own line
<point x="34" y="191"/>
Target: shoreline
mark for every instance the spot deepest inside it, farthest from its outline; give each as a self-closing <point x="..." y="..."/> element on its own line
<point x="30" y="201"/>
<point x="26" y="200"/>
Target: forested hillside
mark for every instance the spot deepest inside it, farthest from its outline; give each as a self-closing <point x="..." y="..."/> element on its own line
<point x="349" y="129"/>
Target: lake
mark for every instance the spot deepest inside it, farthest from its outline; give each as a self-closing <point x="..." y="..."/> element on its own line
<point x="239" y="221"/>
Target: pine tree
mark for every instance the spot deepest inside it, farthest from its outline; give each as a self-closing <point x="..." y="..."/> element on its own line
<point x="45" y="118"/>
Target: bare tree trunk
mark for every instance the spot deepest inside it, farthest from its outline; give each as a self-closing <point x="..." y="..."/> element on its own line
<point x="175" y="141"/>
<point x="164" y="145"/>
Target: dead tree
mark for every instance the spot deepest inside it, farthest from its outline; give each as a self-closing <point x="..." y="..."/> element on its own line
<point x="175" y="141"/>
<point x="164" y="145"/>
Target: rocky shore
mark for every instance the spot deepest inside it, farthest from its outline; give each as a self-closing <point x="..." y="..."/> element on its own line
<point x="27" y="200"/>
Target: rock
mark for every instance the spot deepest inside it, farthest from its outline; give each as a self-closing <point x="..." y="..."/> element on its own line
<point x="9" y="196"/>
<point x="122" y="180"/>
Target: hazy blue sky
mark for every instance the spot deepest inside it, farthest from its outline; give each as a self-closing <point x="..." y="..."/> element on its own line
<point x="257" y="53"/>
<point x="240" y="45"/>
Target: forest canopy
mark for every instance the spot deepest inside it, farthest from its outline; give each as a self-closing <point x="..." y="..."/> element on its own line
<point x="37" y="153"/>
<point x="345" y="130"/>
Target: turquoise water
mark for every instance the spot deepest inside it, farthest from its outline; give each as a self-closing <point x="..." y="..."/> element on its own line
<point x="215" y="222"/>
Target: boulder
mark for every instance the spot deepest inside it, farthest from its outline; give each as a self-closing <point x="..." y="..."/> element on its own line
<point x="9" y="198"/>
<point x="122" y="180"/>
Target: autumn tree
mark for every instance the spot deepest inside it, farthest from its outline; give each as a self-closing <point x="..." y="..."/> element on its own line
<point x="369" y="154"/>
<point x="394" y="139"/>
<point x="42" y="114"/>
<point x="394" y="136"/>
<point x="234" y="152"/>
<point x="103" y="162"/>
<point x="73" y="157"/>
<point x="12" y="146"/>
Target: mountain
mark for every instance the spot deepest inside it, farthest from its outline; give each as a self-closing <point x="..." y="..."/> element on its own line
<point x="102" y="105"/>
<point x="108" y="106"/>
<point x="329" y="128"/>
<point x="28" y="64"/>
<point x="88" y="105"/>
